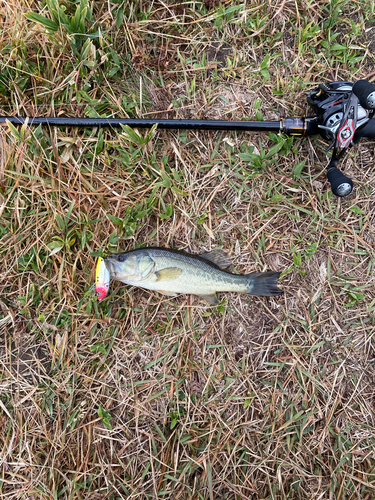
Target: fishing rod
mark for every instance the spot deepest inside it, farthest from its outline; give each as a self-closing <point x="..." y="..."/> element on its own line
<point x="343" y="115"/>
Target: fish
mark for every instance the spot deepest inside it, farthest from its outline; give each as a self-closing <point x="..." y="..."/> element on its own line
<point x="172" y="272"/>
<point x="102" y="279"/>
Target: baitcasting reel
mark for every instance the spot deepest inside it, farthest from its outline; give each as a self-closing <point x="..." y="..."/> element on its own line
<point x="343" y="110"/>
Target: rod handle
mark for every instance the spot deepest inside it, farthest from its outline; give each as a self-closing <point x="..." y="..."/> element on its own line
<point x="340" y="184"/>
<point x="365" y="91"/>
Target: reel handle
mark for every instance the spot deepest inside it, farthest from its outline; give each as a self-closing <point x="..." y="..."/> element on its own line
<point x="340" y="184"/>
<point x="365" y="91"/>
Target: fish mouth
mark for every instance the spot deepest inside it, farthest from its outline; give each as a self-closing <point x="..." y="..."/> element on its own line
<point x="113" y="265"/>
<point x="116" y="270"/>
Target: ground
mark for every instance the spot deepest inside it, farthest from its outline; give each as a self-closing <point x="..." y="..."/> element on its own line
<point x="146" y="396"/>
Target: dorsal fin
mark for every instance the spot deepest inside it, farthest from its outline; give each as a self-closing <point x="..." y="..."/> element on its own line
<point x="218" y="257"/>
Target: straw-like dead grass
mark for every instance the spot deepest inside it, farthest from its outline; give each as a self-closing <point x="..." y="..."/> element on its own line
<point x="145" y="396"/>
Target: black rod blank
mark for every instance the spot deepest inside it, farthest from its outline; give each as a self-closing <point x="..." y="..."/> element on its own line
<point x="261" y="126"/>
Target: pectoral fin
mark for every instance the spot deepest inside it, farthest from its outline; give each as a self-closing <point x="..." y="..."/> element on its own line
<point x="168" y="274"/>
<point x="218" y="257"/>
<point x="212" y="299"/>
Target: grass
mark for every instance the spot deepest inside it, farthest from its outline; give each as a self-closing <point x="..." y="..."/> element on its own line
<point x="144" y="396"/>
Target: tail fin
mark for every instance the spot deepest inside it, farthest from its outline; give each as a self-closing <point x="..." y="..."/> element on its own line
<point x="264" y="284"/>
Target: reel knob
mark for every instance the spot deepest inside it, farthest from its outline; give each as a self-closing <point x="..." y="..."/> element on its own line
<point x="365" y="91"/>
<point x="340" y="184"/>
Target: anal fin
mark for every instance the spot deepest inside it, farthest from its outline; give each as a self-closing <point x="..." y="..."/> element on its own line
<point x="211" y="299"/>
<point x="164" y="292"/>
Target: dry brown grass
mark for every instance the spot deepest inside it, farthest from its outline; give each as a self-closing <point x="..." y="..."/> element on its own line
<point x="144" y="396"/>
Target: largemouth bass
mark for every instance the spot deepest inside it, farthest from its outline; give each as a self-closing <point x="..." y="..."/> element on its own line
<point x="172" y="272"/>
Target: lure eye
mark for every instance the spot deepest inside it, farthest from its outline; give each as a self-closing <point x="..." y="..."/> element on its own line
<point x="101" y="292"/>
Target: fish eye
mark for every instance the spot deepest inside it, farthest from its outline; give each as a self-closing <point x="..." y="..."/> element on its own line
<point x="121" y="257"/>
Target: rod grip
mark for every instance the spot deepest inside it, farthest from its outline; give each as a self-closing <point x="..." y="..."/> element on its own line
<point x="365" y="91"/>
<point x="340" y="184"/>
